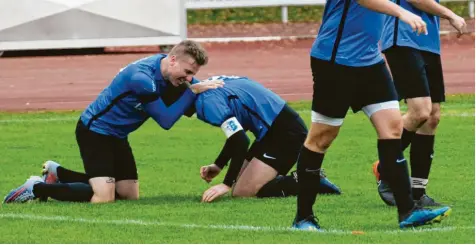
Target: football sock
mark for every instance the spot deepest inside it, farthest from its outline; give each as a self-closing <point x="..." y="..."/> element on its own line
<point x="69" y="176"/>
<point x="394" y="170"/>
<point x="281" y="186"/>
<point x="72" y="192"/>
<point x="308" y="169"/>
<point x="421" y="156"/>
<point x="407" y="137"/>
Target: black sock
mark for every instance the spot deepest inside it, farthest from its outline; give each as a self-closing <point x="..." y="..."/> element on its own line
<point x="281" y="186"/>
<point x="69" y="176"/>
<point x="394" y="170"/>
<point x="407" y="138"/>
<point x="72" y="192"/>
<point x="308" y="169"/>
<point x="421" y="156"/>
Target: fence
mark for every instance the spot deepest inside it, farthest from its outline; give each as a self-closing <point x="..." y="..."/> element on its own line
<point x="214" y="4"/>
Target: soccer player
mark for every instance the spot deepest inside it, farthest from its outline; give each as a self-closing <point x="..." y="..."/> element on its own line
<point x="139" y="91"/>
<point x="349" y="71"/>
<point x="242" y="105"/>
<point x="415" y="64"/>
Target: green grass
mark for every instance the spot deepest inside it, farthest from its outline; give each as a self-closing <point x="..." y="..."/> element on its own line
<point x="273" y="14"/>
<point x="169" y="161"/>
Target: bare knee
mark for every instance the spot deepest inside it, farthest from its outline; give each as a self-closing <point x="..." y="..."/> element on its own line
<point x="431" y="124"/>
<point x="128" y="189"/>
<point x="245" y="188"/>
<point x="243" y="192"/>
<point x="434" y="120"/>
<point x="103" y="195"/>
<point x="394" y="130"/>
<point x="419" y="117"/>
<point x="387" y="123"/>
<point x="419" y="112"/>
<point x="134" y="196"/>
<point x="103" y="188"/>
<point x="321" y="138"/>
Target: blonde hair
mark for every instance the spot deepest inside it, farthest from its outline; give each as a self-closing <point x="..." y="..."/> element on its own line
<point x="192" y="49"/>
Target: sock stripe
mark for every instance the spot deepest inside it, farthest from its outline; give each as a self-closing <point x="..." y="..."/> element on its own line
<point x="419" y="182"/>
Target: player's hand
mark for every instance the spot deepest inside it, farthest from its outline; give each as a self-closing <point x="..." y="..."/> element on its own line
<point x="458" y="23"/>
<point x="204" y="86"/>
<point x="214" y="192"/>
<point x="209" y="172"/>
<point x="415" y="21"/>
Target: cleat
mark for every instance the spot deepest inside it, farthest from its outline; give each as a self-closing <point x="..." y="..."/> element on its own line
<point x="421" y="216"/>
<point x="375" y="170"/>
<point x="426" y="201"/>
<point x="49" y="174"/>
<point x="386" y="193"/>
<point x="325" y="185"/>
<point x="310" y="223"/>
<point x="383" y="187"/>
<point x="24" y="193"/>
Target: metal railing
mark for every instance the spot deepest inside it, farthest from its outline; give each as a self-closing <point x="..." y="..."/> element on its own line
<point x="215" y="4"/>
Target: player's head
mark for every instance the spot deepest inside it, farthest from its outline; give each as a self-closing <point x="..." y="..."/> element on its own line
<point x="185" y="60"/>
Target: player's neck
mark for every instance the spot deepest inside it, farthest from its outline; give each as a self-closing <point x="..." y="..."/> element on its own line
<point x="164" y="63"/>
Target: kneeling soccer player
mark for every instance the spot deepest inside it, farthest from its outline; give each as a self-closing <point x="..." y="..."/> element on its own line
<point x="242" y="105"/>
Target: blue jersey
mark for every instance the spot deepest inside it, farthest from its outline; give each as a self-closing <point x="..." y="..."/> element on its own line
<point x="132" y="97"/>
<point x="349" y="34"/>
<point x="254" y="106"/>
<point x="399" y="33"/>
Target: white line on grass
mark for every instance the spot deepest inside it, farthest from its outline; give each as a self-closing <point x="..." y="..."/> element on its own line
<point x="69" y="119"/>
<point x="223" y="227"/>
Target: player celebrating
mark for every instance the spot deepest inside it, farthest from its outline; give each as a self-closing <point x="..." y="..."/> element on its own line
<point x="242" y="105"/>
<point x="135" y="94"/>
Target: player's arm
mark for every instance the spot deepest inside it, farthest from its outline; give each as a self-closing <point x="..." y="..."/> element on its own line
<point x="235" y="148"/>
<point x="434" y="8"/>
<point x="142" y="84"/>
<point x="390" y="8"/>
<point x="166" y="116"/>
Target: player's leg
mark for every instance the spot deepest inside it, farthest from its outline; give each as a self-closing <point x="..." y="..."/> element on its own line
<point x="95" y="151"/>
<point x="408" y="70"/>
<point x="410" y="78"/>
<point x="272" y="157"/>
<point x="331" y="100"/>
<point x="282" y="145"/>
<point x="253" y="178"/>
<point x="53" y="172"/>
<point x="380" y="104"/>
<point x="417" y="75"/>
<point x="422" y="148"/>
<point x="127" y="181"/>
<point x="378" y="100"/>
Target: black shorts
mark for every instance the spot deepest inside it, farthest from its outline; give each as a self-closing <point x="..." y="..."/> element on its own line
<point x="338" y="87"/>
<point x="416" y="73"/>
<point x="281" y="145"/>
<point x="105" y="156"/>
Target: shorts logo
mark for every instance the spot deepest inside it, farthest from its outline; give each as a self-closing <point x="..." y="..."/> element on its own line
<point x="268" y="156"/>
